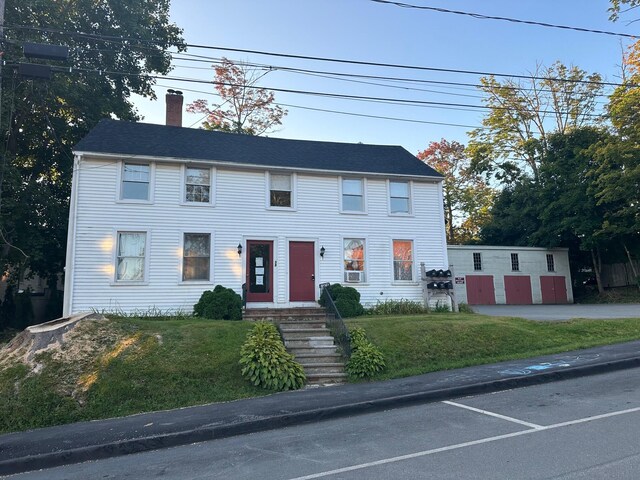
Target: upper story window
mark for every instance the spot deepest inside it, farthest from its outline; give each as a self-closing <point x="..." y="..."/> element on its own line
<point x="131" y="255"/>
<point x="515" y="262"/>
<point x="550" y="263"/>
<point x="399" y="197"/>
<point x="198" y="185"/>
<point x="403" y="260"/>
<point x="136" y="179"/>
<point x="354" y="260"/>
<point x="280" y="190"/>
<point x="477" y="261"/>
<point x="196" y="259"/>
<point x="353" y="194"/>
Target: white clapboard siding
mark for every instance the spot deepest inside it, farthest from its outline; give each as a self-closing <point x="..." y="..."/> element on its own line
<point x="239" y="213"/>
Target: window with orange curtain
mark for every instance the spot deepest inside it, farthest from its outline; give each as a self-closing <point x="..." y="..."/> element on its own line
<point x="354" y="259"/>
<point x="403" y="260"/>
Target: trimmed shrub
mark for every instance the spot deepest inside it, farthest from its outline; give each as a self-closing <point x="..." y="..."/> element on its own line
<point x="366" y="359"/>
<point x="220" y="304"/>
<point x="347" y="300"/>
<point x="266" y="363"/>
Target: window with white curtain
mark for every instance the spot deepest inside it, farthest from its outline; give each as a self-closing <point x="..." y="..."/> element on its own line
<point x="131" y="256"/>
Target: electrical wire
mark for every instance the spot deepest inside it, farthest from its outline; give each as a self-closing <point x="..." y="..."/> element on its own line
<point x="505" y="19"/>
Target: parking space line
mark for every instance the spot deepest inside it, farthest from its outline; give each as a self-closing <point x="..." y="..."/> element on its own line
<point x="496" y="415"/>
<point x="463" y="445"/>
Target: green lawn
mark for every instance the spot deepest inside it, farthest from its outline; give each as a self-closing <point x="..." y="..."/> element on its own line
<point x="125" y="366"/>
<point x="143" y="365"/>
<point x="424" y="343"/>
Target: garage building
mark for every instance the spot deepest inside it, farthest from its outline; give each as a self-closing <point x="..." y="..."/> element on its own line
<point x="489" y="275"/>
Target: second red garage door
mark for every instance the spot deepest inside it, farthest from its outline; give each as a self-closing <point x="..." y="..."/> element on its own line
<point x="517" y="289"/>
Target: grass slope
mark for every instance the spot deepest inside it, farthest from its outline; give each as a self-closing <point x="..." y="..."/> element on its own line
<point x="139" y="366"/>
<point x="424" y="343"/>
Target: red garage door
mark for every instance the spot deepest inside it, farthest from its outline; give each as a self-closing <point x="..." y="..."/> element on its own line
<point x="554" y="289"/>
<point x="517" y="289"/>
<point x="480" y="290"/>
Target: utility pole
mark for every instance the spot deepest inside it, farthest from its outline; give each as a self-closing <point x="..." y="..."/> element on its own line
<point x="2" y="48"/>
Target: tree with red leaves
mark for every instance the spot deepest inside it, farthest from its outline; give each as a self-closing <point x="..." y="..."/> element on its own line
<point x="467" y="198"/>
<point x="245" y="107"/>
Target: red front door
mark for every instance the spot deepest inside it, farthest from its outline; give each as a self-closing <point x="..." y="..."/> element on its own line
<point x="302" y="280"/>
<point x="259" y="276"/>
<point x="517" y="289"/>
<point x="480" y="290"/>
<point x="554" y="289"/>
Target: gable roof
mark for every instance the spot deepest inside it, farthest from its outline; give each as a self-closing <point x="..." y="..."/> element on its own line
<point x="150" y="140"/>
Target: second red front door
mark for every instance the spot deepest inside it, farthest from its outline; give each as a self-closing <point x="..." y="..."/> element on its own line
<point x="302" y="280"/>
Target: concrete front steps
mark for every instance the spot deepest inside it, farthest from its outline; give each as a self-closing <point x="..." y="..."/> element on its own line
<point x="307" y="338"/>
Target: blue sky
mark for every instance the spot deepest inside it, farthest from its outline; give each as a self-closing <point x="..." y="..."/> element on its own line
<point x="368" y="31"/>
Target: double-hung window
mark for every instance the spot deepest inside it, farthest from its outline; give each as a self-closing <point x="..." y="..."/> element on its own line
<point x="399" y="198"/>
<point x="280" y="190"/>
<point x="403" y="260"/>
<point x="354" y="260"/>
<point x="196" y="259"/>
<point x="136" y="179"/>
<point x="353" y="194"/>
<point x="131" y="256"/>
<point x="198" y="185"/>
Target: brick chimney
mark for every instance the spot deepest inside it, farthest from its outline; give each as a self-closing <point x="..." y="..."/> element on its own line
<point x="174" y="100"/>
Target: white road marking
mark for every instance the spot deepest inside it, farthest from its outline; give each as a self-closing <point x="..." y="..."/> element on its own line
<point x="464" y="445"/>
<point x="497" y="415"/>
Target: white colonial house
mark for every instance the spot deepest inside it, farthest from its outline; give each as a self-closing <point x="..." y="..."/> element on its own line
<point x="160" y="214"/>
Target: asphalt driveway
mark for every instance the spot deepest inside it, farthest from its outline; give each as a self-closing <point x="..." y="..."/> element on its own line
<point x="561" y="312"/>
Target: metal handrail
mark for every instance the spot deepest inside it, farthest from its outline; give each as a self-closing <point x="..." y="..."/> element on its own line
<point x="336" y="325"/>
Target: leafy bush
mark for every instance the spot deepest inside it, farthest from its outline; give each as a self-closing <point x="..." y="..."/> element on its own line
<point x="220" y="304"/>
<point x="266" y="363"/>
<point x="347" y="300"/>
<point x="397" y="307"/>
<point x="366" y="359"/>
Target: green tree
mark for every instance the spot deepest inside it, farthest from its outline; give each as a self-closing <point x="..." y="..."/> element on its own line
<point x="244" y="107"/>
<point x="467" y="198"/>
<point x="114" y="45"/>
<point x="513" y="137"/>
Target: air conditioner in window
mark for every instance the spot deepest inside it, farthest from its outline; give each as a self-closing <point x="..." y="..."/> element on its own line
<point x="354" y="277"/>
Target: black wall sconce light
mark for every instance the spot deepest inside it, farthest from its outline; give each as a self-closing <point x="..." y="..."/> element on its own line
<point x="322" y="250"/>
<point x="239" y="249"/>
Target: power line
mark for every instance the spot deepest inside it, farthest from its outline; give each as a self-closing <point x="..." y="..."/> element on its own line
<point x="341" y="112"/>
<point x="315" y="93"/>
<point x="505" y="19"/>
<point x="111" y="38"/>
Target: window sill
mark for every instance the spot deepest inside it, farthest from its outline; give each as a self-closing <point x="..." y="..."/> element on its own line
<point x="403" y="283"/>
<point x="197" y="204"/>
<point x="134" y="202"/>
<point x="353" y="212"/>
<point x="281" y="209"/>
<point x="194" y="282"/>
<point x="129" y="284"/>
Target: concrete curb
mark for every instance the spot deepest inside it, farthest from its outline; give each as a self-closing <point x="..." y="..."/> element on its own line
<point x="174" y="439"/>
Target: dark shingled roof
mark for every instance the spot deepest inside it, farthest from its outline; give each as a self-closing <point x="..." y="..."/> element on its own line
<point x="130" y="139"/>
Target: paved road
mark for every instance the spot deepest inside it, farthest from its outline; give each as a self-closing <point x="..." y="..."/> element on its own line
<point x="585" y="428"/>
<point x="561" y="312"/>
